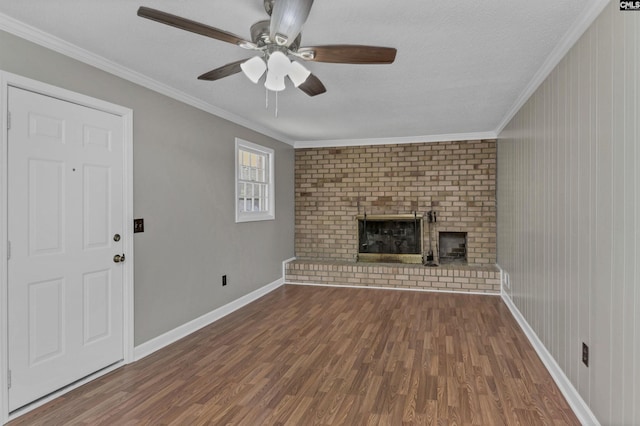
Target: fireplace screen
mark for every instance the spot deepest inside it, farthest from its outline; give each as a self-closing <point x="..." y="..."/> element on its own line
<point x="390" y="238"/>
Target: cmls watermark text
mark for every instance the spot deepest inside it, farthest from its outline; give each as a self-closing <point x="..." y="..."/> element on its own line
<point x="629" y="5"/>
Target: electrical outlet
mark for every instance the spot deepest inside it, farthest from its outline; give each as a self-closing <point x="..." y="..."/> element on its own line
<point x="224" y="280"/>
<point x="585" y="354"/>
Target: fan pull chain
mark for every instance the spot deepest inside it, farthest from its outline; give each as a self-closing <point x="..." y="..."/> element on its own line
<point x="266" y="101"/>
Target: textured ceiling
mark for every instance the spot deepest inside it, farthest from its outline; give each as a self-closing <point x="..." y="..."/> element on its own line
<point x="460" y="67"/>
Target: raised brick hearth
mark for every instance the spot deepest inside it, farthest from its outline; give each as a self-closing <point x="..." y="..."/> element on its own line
<point x="482" y="279"/>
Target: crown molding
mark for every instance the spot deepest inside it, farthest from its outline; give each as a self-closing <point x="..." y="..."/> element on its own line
<point x="452" y="137"/>
<point x="570" y="38"/>
<point x="39" y="37"/>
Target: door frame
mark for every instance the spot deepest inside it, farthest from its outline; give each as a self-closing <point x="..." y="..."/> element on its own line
<point x="126" y="114"/>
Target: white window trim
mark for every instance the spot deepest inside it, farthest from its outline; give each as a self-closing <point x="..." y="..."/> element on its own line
<point x="256" y="216"/>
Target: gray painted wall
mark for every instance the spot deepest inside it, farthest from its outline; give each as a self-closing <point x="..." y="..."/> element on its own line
<point x="184" y="189"/>
<point x="569" y="214"/>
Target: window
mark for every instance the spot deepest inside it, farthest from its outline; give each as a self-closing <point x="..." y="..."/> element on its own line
<point x="255" y="192"/>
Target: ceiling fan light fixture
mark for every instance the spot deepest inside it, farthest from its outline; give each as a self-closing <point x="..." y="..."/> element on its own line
<point x="278" y="64"/>
<point x="298" y="73"/>
<point x="254" y="68"/>
<point x="274" y="82"/>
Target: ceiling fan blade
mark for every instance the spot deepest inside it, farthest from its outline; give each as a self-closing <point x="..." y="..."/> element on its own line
<point x="287" y="19"/>
<point x="348" y="54"/>
<point x="193" y="26"/>
<point x="312" y="86"/>
<point x="223" y="71"/>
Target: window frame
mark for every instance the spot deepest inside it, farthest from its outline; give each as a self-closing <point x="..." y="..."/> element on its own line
<point x="270" y="213"/>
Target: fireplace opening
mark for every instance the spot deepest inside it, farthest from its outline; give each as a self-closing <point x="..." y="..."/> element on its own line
<point x="453" y="247"/>
<point x="390" y="238"/>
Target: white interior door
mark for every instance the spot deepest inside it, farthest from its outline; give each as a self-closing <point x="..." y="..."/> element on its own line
<point x="65" y="205"/>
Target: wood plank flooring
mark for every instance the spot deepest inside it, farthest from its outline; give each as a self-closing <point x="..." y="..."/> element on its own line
<point x="320" y="355"/>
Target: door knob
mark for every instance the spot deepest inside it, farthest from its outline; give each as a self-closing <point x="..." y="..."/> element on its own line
<point x="118" y="258"/>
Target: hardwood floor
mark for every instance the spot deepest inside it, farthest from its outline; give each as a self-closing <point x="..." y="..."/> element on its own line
<point x="321" y="355"/>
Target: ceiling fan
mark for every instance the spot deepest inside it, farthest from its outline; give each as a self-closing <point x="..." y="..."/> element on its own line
<point x="276" y="40"/>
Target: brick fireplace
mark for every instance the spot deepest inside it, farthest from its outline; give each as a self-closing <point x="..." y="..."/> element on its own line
<point x="336" y="186"/>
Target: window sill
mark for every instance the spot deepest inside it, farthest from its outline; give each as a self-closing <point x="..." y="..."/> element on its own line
<point x="254" y="218"/>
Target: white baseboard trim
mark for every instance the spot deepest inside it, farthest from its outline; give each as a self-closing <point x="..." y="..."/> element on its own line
<point x="149" y="347"/>
<point x="578" y="405"/>
<point x="372" y="287"/>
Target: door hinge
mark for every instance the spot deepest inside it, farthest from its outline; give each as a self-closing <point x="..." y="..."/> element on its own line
<point x="9" y="379"/>
<point x="8" y="250"/>
<point x="8" y="120"/>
